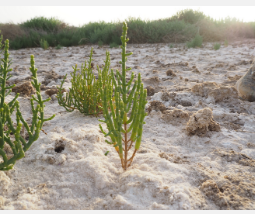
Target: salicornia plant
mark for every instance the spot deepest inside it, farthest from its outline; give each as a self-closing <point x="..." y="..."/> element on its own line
<point x="19" y="145"/>
<point x="128" y="98"/>
<point x="84" y="95"/>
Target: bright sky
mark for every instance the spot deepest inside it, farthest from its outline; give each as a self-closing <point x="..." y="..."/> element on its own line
<point x="79" y="15"/>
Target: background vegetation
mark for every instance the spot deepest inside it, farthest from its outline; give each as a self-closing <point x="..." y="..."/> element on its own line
<point x="182" y="27"/>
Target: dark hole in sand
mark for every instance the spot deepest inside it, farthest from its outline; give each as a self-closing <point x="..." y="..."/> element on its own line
<point x="222" y="190"/>
<point x="59" y="149"/>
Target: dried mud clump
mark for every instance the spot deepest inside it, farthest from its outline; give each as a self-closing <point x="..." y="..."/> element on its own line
<point x="195" y="70"/>
<point x="166" y="96"/>
<point x="175" y="117"/>
<point x="25" y="88"/>
<point x="52" y="91"/>
<point x="237" y="157"/>
<point x="152" y="81"/>
<point x="157" y="106"/>
<point x="183" y="63"/>
<point x="243" y="62"/>
<point x="170" y="72"/>
<point x="203" y="89"/>
<point x="219" y="65"/>
<point x="218" y="92"/>
<point x="235" y="78"/>
<point x="173" y="158"/>
<point x="150" y="91"/>
<point x="201" y="122"/>
<point x="185" y="103"/>
<point x="237" y="189"/>
<point x="212" y="191"/>
<point x="51" y="76"/>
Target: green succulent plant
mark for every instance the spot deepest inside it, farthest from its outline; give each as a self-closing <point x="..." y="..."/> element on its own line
<point x="84" y="95"/>
<point x="8" y="130"/>
<point x="126" y="98"/>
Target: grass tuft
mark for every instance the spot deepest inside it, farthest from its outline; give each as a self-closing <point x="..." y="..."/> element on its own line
<point x="195" y="42"/>
<point x="226" y="43"/>
<point x="216" y="46"/>
<point x="113" y="45"/>
<point x="44" y="44"/>
<point x="59" y="47"/>
<point x="100" y="43"/>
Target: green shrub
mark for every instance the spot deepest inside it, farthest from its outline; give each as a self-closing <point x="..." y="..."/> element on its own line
<point x="178" y="28"/>
<point x="113" y="45"/>
<point x="171" y="46"/>
<point x="189" y="16"/>
<point x="8" y="129"/>
<point x="44" y="24"/>
<point x="226" y="43"/>
<point x="59" y="47"/>
<point x="84" y="95"/>
<point x="100" y="43"/>
<point x="123" y="98"/>
<point x="44" y="44"/>
<point x="196" y="42"/>
<point x="216" y="46"/>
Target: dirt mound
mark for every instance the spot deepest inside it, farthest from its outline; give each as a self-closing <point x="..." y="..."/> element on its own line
<point x="170" y="72"/>
<point x="166" y="96"/>
<point x="157" y="106"/>
<point x="52" y="91"/>
<point x="213" y="192"/>
<point x="24" y="88"/>
<point x="201" y="122"/>
<point x="152" y="81"/>
<point x="175" y="117"/>
<point x="150" y="91"/>
<point x="239" y="158"/>
<point x="218" y="92"/>
<point x="52" y="75"/>
<point x="231" y="191"/>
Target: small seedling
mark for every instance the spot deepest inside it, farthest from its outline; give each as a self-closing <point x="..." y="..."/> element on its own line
<point x="171" y="46"/>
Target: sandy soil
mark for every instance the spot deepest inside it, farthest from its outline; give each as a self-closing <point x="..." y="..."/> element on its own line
<point x="198" y="147"/>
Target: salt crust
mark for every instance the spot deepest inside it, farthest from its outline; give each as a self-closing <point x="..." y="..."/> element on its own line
<point x="172" y="170"/>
